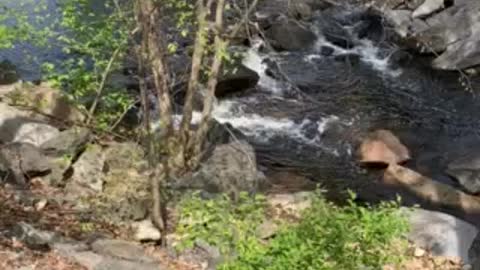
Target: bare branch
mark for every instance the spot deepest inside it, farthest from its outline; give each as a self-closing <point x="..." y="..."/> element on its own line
<point x="100" y="88"/>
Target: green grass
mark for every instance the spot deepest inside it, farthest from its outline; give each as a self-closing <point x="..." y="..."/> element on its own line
<point x="327" y="237"/>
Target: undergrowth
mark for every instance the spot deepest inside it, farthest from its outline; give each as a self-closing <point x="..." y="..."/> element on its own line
<point x="327" y="237"/>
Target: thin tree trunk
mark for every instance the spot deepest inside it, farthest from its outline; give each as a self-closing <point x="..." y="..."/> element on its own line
<point x="220" y="46"/>
<point x="197" y="59"/>
<point x="151" y="53"/>
<point x="156" y="48"/>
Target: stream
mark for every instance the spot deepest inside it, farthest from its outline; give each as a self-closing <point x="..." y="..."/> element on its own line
<point x="311" y="107"/>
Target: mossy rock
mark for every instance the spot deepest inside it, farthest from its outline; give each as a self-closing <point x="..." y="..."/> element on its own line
<point x="126" y="195"/>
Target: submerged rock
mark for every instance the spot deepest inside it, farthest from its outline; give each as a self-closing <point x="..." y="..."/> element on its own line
<point x="383" y="147"/>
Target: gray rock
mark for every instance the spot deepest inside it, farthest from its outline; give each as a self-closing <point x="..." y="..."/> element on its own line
<point x="428" y="7"/>
<point x="35" y="133"/>
<point x="231" y="168"/>
<point x="120" y="156"/>
<point x="94" y="261"/>
<point x="401" y="19"/>
<point x="267" y="229"/>
<point x="107" y="254"/>
<point x="212" y="254"/>
<point x="146" y="231"/>
<point x="290" y="35"/>
<point x="413" y="4"/>
<point x="474" y="253"/>
<point x="33" y="238"/>
<point x="68" y="142"/>
<point x="466" y="170"/>
<point x="300" y="10"/>
<point x="21" y="161"/>
<point x="442" y="234"/>
<point x="58" y="170"/>
<point x="21" y="126"/>
<point x="115" y="264"/>
<point x="453" y="33"/>
<point x="235" y="80"/>
<point x="120" y="249"/>
<point x="87" y="178"/>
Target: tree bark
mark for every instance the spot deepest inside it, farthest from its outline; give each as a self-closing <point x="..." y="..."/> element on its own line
<point x="220" y="46"/>
<point x="433" y="192"/>
<point x="193" y="83"/>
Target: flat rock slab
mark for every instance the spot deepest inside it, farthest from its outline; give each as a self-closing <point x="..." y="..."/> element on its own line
<point x="93" y="261"/>
<point x="441" y="234"/>
<point x="120" y="249"/>
<point x="106" y="254"/>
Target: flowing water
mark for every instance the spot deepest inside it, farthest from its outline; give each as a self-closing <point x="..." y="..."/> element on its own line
<point x="310" y="108"/>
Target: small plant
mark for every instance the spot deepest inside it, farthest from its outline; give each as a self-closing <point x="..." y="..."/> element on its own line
<point x="331" y="237"/>
<point x="220" y="222"/>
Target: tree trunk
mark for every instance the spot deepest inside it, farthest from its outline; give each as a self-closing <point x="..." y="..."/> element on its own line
<point x="431" y="191"/>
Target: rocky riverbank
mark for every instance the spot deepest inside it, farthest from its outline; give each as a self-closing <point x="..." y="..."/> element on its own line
<point x="76" y="185"/>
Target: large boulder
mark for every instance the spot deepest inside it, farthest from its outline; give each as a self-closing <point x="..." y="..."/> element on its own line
<point x="383" y="147"/>
<point x="441" y="234"/>
<point x="289" y="35"/>
<point x="231" y="168"/>
<point x="466" y="170"/>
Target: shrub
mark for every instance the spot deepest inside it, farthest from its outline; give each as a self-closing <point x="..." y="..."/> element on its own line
<point x="327" y="237"/>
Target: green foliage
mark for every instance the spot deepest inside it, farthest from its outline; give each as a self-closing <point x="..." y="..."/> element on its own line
<point x="219" y="221"/>
<point x="327" y="237"/>
<point x="331" y="237"/>
<point x="96" y="42"/>
<point x="94" y="38"/>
